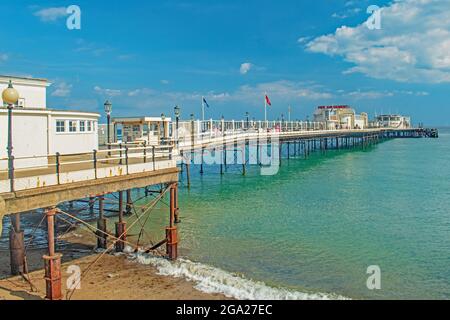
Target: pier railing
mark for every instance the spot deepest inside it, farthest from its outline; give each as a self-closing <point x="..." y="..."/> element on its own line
<point x="58" y="169"/>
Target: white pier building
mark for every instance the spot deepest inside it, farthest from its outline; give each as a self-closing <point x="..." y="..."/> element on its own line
<point x="38" y="131"/>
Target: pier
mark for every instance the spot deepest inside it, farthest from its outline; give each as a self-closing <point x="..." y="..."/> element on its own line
<point x="46" y="182"/>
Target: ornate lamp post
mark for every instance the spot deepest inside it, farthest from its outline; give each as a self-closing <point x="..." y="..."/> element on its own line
<point x="10" y="96"/>
<point x="108" y="110"/>
<point x="177" y="120"/>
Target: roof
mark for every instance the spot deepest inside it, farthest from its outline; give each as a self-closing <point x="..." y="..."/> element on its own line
<point x="24" y="80"/>
<point x="42" y="110"/>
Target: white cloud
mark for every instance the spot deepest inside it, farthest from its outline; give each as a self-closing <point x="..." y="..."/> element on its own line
<point x="303" y="39"/>
<point x="281" y="90"/>
<point x="165" y="81"/>
<point x="51" y="14"/>
<point x="373" y="94"/>
<point x="62" y="90"/>
<point x="413" y="44"/>
<point x="245" y="67"/>
<point x="108" y="92"/>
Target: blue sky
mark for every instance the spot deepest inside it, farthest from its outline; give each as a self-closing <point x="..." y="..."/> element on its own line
<point x="148" y="56"/>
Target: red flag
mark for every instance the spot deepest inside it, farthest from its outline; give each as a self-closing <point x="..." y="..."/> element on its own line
<point x="268" y="101"/>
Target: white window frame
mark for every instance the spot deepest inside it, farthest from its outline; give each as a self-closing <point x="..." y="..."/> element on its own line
<point x="58" y="127"/>
<point x="71" y="127"/>
<point x="82" y="126"/>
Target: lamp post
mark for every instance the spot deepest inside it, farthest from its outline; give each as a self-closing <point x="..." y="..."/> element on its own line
<point x="108" y="109"/>
<point x="177" y="119"/>
<point x="10" y="96"/>
<point x="163" y="119"/>
<point x="247" y="115"/>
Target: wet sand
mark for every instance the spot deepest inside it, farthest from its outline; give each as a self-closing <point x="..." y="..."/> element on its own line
<point x="111" y="278"/>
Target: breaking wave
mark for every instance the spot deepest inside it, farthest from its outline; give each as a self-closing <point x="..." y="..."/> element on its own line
<point x="214" y="280"/>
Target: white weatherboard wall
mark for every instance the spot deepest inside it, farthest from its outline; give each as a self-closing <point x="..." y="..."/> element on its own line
<point x="34" y="135"/>
<point x="73" y="142"/>
<point x="32" y="92"/>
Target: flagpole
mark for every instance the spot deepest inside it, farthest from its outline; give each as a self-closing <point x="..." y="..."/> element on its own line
<point x="203" y="108"/>
<point x="265" y="107"/>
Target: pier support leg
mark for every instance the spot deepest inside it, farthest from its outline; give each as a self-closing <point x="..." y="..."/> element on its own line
<point x="16" y="246"/>
<point x="177" y="209"/>
<point x="171" y="231"/>
<point x="91" y="205"/>
<point x="129" y="202"/>
<point x="52" y="261"/>
<point x="121" y="231"/>
<point x="188" y="175"/>
<point x="201" y="163"/>
<point x="101" y="225"/>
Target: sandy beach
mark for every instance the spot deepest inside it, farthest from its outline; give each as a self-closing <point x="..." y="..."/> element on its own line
<point x="111" y="278"/>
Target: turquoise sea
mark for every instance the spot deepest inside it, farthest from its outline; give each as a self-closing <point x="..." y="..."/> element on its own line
<point x="317" y="225"/>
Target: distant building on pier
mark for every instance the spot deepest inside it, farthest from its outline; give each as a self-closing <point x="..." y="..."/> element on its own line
<point x="38" y="131"/>
<point x="393" y="121"/>
<point x="341" y="117"/>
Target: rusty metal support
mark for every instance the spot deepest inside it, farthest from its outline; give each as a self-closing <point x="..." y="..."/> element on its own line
<point x="129" y="202"/>
<point x="121" y="232"/>
<point x="171" y="231"/>
<point x="16" y="245"/>
<point x="101" y="225"/>
<point x="177" y="209"/>
<point x="52" y="261"/>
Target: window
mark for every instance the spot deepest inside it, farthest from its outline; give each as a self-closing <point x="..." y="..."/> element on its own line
<point x="82" y="126"/>
<point x="60" y="126"/>
<point x="89" y="126"/>
<point x="72" y="126"/>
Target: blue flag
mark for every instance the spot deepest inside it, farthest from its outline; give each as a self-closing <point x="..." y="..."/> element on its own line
<point x="206" y="103"/>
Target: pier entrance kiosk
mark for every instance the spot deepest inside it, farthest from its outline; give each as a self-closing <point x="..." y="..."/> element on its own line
<point x="148" y="130"/>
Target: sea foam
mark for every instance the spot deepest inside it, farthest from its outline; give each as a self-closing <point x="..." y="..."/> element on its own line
<point x="214" y="280"/>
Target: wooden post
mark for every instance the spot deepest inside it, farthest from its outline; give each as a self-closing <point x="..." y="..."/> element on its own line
<point x="52" y="261"/>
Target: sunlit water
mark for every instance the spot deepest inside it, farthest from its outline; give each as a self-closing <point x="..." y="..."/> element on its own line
<point x="318" y="224"/>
